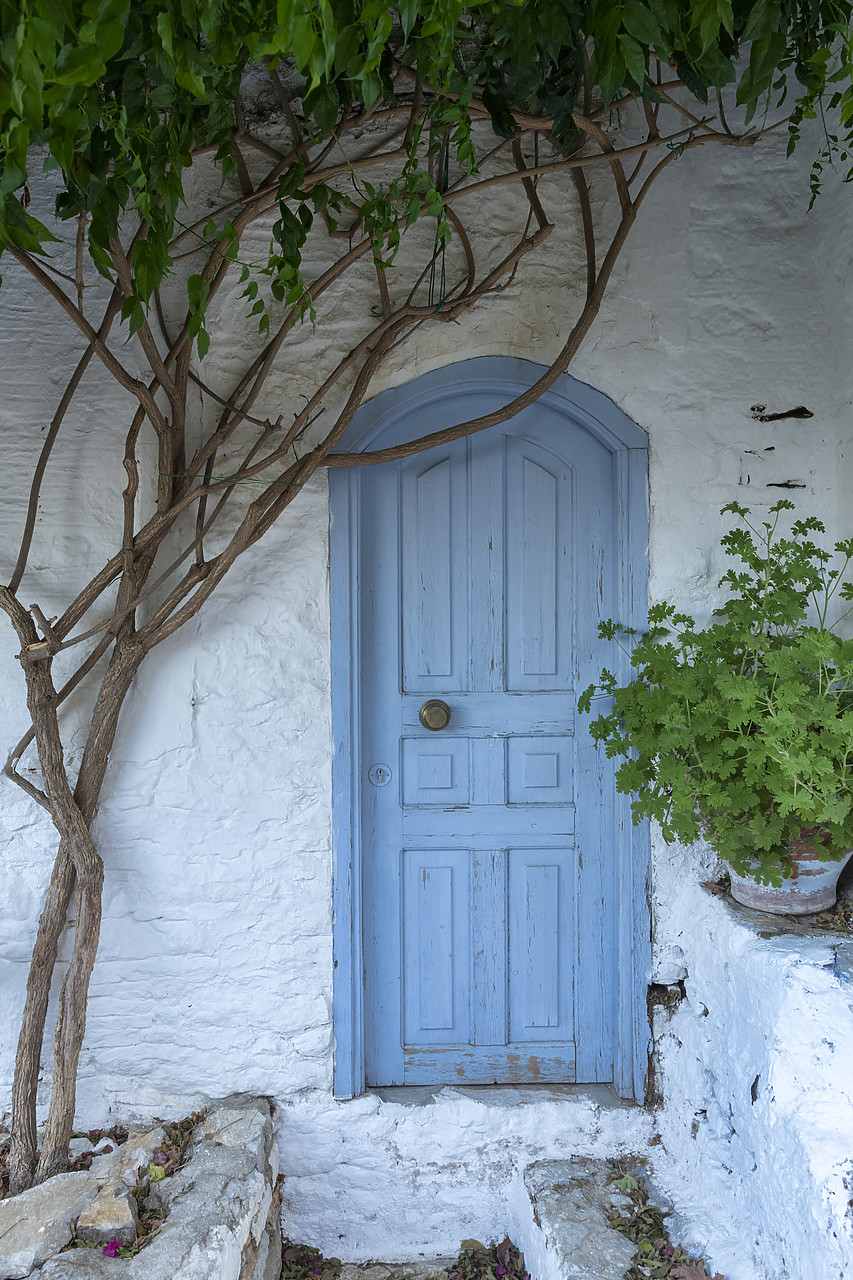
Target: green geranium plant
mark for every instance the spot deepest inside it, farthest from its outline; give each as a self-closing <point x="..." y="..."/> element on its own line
<point x="742" y="732"/>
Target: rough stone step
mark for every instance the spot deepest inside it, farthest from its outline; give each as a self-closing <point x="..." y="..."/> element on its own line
<point x="224" y="1208"/>
<point x="419" y="1269"/>
<point x="572" y="1202"/>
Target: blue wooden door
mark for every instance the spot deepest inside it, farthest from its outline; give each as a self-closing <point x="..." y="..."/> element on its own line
<point x="489" y="901"/>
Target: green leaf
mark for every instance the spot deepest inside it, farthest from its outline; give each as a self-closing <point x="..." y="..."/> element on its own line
<point x="408" y="10"/>
<point x="291" y="180"/>
<point x="642" y="24"/>
<point x="635" y="59"/>
<point x="21" y="229"/>
<point x="188" y="79"/>
<point x="765" y="17"/>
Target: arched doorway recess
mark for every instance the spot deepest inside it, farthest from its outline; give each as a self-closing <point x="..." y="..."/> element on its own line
<point x="491" y="912"/>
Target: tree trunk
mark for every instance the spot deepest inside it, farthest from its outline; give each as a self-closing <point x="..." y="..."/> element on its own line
<point x="22" y="1150"/>
<point x="77" y="864"/>
<point x="71" y="1021"/>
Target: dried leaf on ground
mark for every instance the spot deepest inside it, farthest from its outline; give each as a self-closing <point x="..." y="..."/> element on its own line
<point x="657" y="1258"/>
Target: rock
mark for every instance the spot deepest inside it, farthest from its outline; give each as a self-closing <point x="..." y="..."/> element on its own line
<point x="572" y="1201"/>
<point x="232" y="1127"/>
<point x="261" y="1258"/>
<point x="38" y="1223"/>
<point x="120" y="1167"/>
<point x="154" y="1204"/>
<point x="223" y="1209"/>
<point x="77" y="1146"/>
<point x="419" y="1269"/>
<point x="111" y="1216"/>
<point x="84" y="1264"/>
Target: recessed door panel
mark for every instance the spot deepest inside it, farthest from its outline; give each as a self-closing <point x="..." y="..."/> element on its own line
<point x="436" y="946"/>
<point x="434" y="580"/>
<point x="436" y="772"/>
<point x="540" y="769"/>
<point x="538" y="598"/>
<point x="542" y="946"/>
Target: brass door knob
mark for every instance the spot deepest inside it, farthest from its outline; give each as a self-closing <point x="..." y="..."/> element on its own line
<point x="434" y="714"/>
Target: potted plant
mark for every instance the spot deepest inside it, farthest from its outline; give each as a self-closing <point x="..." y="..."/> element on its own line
<point x="742" y="731"/>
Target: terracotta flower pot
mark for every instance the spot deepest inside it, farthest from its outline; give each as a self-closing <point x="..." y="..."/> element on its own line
<point x="811" y="886"/>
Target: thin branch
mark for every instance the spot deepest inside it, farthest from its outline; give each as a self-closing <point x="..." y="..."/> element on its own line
<point x="258" y="144"/>
<point x="529" y="185"/>
<point x="558" y="367"/>
<point x="284" y="101"/>
<point x="458" y="192"/>
<point x="32" y="791"/>
<point x="228" y="404"/>
<point x="257" y="521"/>
<point x="146" y="337"/>
<point x="80" y="247"/>
<point x="598" y="135"/>
<point x="582" y="188"/>
<point x="121" y="375"/>
<point x="384" y="296"/>
<point x="113" y="308"/>
<point x="415" y="111"/>
<point x="246" y="184"/>
<point x="722" y="113"/>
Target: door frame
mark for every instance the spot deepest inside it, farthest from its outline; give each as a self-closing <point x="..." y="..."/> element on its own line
<point x="628" y="444"/>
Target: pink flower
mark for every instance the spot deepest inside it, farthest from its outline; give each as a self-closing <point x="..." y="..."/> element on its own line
<point x="111" y="1249"/>
<point x="500" y="1272"/>
<point x="160" y="1157"/>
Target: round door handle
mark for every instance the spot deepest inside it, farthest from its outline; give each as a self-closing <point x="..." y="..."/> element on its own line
<point x="434" y="714"/>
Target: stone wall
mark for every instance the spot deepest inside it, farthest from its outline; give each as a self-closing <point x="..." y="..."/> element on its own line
<point x="221" y="1208"/>
<point x="215" y="966"/>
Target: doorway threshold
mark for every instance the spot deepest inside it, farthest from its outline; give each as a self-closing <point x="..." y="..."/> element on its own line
<point x="503" y="1095"/>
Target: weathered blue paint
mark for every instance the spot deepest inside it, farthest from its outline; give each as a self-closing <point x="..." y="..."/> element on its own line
<point x="493" y="894"/>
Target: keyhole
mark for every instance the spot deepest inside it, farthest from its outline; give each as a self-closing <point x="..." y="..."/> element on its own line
<point x="379" y="775"/>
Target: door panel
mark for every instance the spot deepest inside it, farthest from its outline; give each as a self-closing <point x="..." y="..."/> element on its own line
<point x="537" y="602"/>
<point x="436" y="946"/>
<point x="541" y="944"/>
<point x="485" y="566"/>
<point x="434" y="578"/>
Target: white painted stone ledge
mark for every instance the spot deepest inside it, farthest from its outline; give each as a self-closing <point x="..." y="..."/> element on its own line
<point x="757" y="1122"/>
<point x="223" y="1208"/>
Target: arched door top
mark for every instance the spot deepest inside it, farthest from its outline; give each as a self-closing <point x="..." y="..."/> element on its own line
<point x="382" y="421"/>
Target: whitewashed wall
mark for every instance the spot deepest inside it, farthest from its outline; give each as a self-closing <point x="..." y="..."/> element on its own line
<point x="215" y="972"/>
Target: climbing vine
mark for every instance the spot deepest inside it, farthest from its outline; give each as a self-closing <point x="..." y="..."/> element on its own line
<point x="204" y="158"/>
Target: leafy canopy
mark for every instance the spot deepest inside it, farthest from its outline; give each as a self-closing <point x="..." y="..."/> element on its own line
<point x="743" y="732"/>
<point x="119" y="94"/>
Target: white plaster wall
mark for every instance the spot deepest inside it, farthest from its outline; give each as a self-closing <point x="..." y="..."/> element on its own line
<point x="379" y="1178"/>
<point x="755" y="1067"/>
<point x="215" y="970"/>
